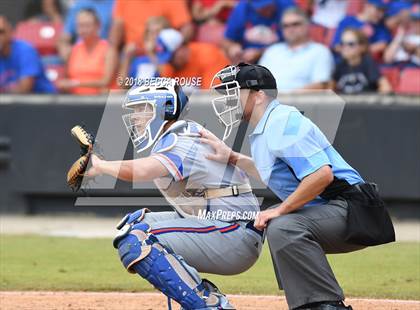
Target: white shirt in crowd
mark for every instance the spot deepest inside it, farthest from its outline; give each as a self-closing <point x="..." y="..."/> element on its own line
<point x="296" y="68"/>
<point x="329" y="13"/>
<point x="402" y="55"/>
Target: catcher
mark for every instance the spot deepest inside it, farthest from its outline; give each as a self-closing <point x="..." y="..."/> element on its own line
<point x="168" y="249"/>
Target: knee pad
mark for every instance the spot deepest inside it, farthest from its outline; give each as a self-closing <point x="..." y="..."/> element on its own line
<point x="127" y="221"/>
<point x="141" y="253"/>
<point x="133" y="218"/>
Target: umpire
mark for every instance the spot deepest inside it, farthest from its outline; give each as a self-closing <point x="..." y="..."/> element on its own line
<point x="326" y="205"/>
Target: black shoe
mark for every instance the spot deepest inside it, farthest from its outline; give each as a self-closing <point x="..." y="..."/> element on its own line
<point x="328" y="305"/>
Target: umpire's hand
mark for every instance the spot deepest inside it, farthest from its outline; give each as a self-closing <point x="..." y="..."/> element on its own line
<point x="262" y="218"/>
<point x="221" y="153"/>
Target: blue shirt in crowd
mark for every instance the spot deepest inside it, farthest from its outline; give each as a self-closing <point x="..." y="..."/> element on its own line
<point x="22" y="62"/>
<point x="103" y="9"/>
<point x="286" y="147"/>
<point x="142" y="67"/>
<point x="250" y="29"/>
<point x="378" y="32"/>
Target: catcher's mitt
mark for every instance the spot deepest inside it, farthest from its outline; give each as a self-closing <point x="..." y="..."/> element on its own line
<point x="78" y="169"/>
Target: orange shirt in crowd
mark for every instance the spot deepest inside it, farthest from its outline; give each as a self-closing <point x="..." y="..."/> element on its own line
<point x="135" y="14"/>
<point x="87" y="65"/>
<point x="205" y="60"/>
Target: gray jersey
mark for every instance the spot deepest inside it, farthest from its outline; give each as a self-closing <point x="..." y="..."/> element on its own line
<point x="179" y="149"/>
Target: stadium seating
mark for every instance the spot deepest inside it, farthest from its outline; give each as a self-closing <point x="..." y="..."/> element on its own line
<point x="409" y="81"/>
<point x="354" y="7"/>
<point x="329" y="36"/>
<point x="305" y="5"/>
<point x="317" y="33"/>
<point x="321" y="34"/>
<point x="392" y="74"/>
<point x="42" y="35"/>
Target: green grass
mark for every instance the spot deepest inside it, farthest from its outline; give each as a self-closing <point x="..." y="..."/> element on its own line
<point x="50" y="263"/>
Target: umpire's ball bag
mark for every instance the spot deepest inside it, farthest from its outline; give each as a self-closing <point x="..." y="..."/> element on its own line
<point x="368" y="221"/>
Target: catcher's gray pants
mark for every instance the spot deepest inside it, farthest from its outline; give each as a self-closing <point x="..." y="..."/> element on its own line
<point x="298" y="243"/>
<point x="209" y="246"/>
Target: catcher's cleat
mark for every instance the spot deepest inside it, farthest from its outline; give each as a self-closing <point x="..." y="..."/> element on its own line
<point x="214" y="290"/>
<point x="215" y="300"/>
<point x="220" y="302"/>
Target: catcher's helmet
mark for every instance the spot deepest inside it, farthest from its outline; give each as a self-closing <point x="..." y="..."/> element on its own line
<point x="152" y="105"/>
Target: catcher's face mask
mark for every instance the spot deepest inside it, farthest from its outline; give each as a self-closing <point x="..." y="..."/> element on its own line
<point x="150" y="109"/>
<point x="139" y="120"/>
<point x="227" y="104"/>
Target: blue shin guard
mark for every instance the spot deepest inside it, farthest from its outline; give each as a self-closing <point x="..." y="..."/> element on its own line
<point x="141" y="253"/>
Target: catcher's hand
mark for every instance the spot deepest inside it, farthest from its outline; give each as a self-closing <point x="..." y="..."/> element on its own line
<point x="78" y="169"/>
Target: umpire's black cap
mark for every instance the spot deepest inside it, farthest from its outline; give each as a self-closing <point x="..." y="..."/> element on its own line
<point x="256" y="77"/>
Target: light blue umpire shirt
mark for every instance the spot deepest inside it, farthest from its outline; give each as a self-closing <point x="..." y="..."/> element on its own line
<point x="287" y="146"/>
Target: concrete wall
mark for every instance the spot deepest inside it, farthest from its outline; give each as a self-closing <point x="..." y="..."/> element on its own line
<point x="379" y="136"/>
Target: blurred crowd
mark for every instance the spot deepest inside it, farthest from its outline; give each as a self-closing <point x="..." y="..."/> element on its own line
<point x="88" y="47"/>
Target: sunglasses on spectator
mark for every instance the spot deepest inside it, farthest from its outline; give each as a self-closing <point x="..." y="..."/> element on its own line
<point x="290" y="25"/>
<point x="349" y="43"/>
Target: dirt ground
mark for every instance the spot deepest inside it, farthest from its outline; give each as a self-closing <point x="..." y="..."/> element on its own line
<point x="155" y="301"/>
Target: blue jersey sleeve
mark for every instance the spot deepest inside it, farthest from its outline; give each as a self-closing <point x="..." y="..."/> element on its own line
<point x="29" y="62"/>
<point x="173" y="163"/>
<point x="285" y="4"/>
<point x="132" y="70"/>
<point x="299" y="143"/>
<point x="235" y="26"/>
<point x="382" y="34"/>
<point x="179" y="155"/>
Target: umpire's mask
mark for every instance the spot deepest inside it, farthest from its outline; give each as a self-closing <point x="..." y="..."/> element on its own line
<point x="226" y="103"/>
<point x="227" y="84"/>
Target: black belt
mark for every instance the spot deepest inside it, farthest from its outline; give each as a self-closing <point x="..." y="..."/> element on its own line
<point x="358" y="186"/>
<point x="250" y="225"/>
<point x="340" y="187"/>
